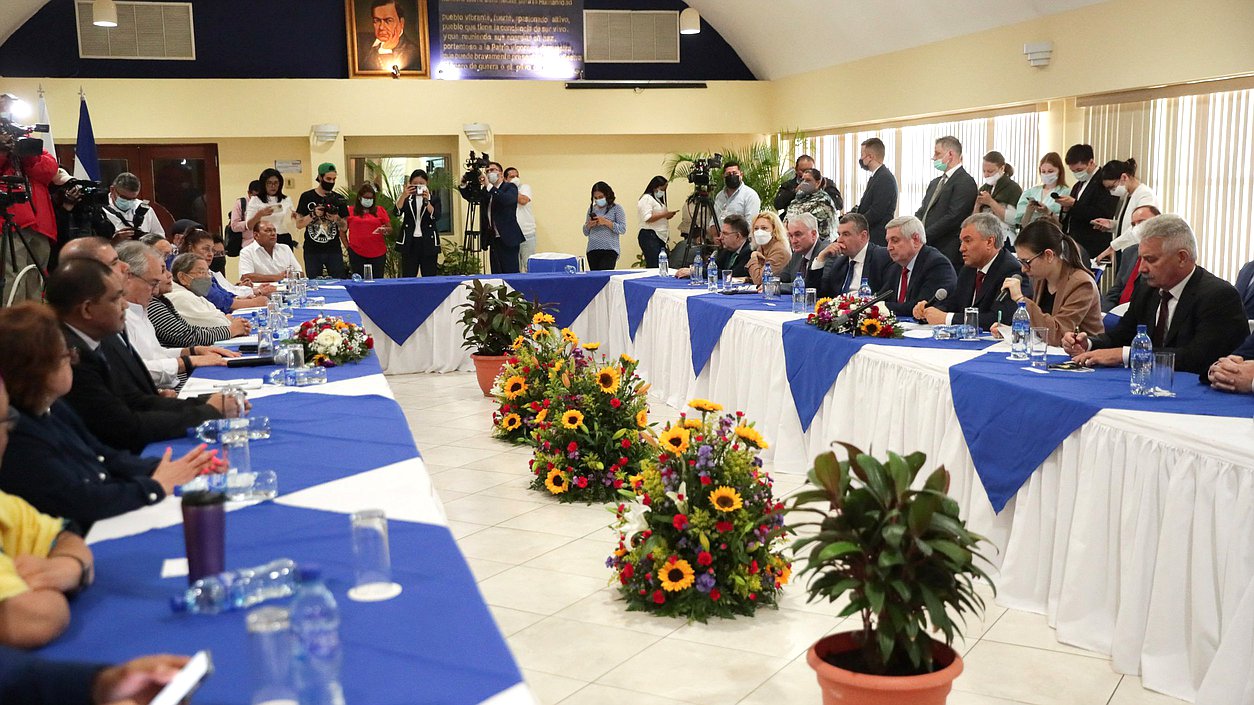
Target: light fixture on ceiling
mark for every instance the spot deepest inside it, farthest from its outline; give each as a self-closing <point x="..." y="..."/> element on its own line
<point x="104" y="13"/>
<point x="690" y="21"/>
<point x="1039" y="54"/>
<point x="477" y="131"/>
<point x="324" y="132"/>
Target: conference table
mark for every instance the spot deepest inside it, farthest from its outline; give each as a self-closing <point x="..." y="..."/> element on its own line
<point x="1128" y="522"/>
<point x="337" y="448"/>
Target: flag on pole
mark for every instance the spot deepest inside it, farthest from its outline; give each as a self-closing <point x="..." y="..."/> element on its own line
<point x="49" y="145"/>
<point x="86" y="163"/>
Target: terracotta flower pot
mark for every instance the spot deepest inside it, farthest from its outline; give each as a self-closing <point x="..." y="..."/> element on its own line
<point x="841" y="687"/>
<point x="487" y="368"/>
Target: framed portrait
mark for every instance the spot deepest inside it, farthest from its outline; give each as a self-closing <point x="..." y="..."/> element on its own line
<point x="388" y="38"/>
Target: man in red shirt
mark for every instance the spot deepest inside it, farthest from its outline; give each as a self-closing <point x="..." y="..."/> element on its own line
<point x="34" y="218"/>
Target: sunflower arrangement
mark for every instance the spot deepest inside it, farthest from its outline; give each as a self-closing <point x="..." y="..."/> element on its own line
<point x="875" y="321"/>
<point x="699" y="530"/>
<point x="537" y="371"/>
<point x="596" y="432"/>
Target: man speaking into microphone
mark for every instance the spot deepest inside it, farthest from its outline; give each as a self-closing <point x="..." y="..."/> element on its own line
<point x="986" y="265"/>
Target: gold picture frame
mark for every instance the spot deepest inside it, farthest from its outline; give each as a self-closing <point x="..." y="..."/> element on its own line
<point x="371" y="22"/>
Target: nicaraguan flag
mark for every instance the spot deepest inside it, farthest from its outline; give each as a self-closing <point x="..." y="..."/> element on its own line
<point x="86" y="163"/>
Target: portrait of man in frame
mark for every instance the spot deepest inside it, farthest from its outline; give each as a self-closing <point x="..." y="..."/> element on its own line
<point x="388" y="37"/>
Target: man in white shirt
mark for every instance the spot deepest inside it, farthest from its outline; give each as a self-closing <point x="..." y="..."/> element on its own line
<point x="266" y="259"/>
<point x="526" y="219"/>
<point x="130" y="217"/>
<point x="736" y="198"/>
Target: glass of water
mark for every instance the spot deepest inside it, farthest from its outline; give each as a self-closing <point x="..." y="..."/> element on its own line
<point x="971" y="323"/>
<point x="812" y="297"/>
<point x="1038" y="348"/>
<point x="1163" y="375"/>
<point x="372" y="558"/>
<point x="727" y="280"/>
<point x="270" y="647"/>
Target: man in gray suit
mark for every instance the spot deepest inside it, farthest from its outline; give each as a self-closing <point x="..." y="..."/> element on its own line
<point x="949" y="199"/>
<point x="803" y="237"/>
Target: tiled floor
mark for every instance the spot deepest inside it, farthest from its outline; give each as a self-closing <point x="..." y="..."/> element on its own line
<point x="541" y="568"/>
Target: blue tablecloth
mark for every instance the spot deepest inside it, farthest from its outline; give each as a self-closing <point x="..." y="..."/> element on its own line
<point x="708" y="315"/>
<point x="536" y="265"/>
<point x="399" y="306"/>
<point x="335" y="295"/>
<point x="638" y="292"/>
<point x="814" y="358"/>
<point x="435" y="643"/>
<point x="1012" y="419"/>
<point x="565" y="295"/>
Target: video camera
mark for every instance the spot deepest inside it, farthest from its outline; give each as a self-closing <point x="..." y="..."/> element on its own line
<point x="15" y="138"/>
<point x="92" y="194"/>
<point x="699" y="174"/>
<point x="469" y="186"/>
<point x="12" y="191"/>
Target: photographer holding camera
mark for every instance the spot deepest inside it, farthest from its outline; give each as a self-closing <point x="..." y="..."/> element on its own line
<point x="321" y="212"/>
<point x="26" y="170"/>
<point x="499" y="218"/>
<point x="79" y="206"/>
<point x="130" y="217"/>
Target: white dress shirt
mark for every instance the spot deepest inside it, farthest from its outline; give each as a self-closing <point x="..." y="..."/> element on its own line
<point x="526" y="217"/>
<point x="1142" y="196"/>
<point x="1175" y="291"/>
<point x="226" y="284"/>
<point x="196" y="310"/>
<point x="743" y="201"/>
<point x="857" y="262"/>
<point x="162" y="363"/>
<point x="254" y="259"/>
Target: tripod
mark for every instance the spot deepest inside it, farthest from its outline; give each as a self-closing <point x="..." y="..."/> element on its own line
<point x="473" y="241"/>
<point x="9" y="232"/>
<point x="702" y="216"/>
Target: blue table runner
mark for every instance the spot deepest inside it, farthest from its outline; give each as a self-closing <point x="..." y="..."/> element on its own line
<point x="638" y="292"/>
<point x="400" y="306"/>
<point x="708" y="315"/>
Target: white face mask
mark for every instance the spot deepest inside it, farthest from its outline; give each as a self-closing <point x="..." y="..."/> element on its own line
<point x="1049" y="178"/>
<point x="515" y="181"/>
<point x="494" y="176"/>
<point x="761" y="237"/>
<point x="1119" y="191"/>
<point x="367" y="202"/>
<point x="1080" y="176"/>
<point x="659" y="194"/>
<point x="992" y="180"/>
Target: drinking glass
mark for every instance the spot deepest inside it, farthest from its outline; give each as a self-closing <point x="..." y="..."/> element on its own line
<point x="372" y="560"/>
<point x="1038" y="348"/>
<point x="367" y="272"/>
<point x="235" y="446"/>
<point x="270" y="649"/>
<point x="812" y="297"/>
<point x="1163" y="375"/>
<point x="971" y="323"/>
<point x="727" y="280"/>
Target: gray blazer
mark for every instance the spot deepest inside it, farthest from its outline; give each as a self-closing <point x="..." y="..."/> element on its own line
<point x="789" y="273"/>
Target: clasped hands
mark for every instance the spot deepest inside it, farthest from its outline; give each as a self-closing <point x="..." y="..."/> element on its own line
<point x="1232" y="374"/>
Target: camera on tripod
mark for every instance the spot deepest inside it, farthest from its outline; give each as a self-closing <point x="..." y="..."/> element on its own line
<point x="15" y="138"/>
<point x="699" y="174"/>
<point x="469" y="186"/>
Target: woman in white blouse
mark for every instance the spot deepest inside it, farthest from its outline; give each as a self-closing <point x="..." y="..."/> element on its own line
<point x="654" y="230"/>
<point x="1039" y="200"/>
<point x="272" y="206"/>
<point x="1120" y="178"/>
<point x="191" y="282"/>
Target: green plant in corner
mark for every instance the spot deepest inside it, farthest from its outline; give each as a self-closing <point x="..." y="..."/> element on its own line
<point x="762" y="163"/>
<point x="456" y="261"/>
<point x="903" y="556"/>
<point x="493" y="316"/>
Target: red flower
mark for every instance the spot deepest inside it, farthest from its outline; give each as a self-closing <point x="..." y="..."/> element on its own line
<point x="627" y="444"/>
<point x="704" y="558"/>
<point x="628" y="571"/>
<point x="753" y="567"/>
<point x="572" y="447"/>
<point x="615" y="403"/>
<point x="618" y="484"/>
<point x="705" y="480"/>
<point x="659" y="597"/>
<point x="369" y="343"/>
<point x="723" y="527"/>
<point x="622" y="461"/>
<point x="715" y="594"/>
<point x="680" y="521"/>
<point x="581" y="482"/>
<point x="753" y="596"/>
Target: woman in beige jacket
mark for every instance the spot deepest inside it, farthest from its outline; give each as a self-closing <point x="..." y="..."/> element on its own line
<point x="771" y="242"/>
<point x="1065" y="297"/>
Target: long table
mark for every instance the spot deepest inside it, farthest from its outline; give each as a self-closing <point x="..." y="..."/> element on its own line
<point x="1135" y="535"/>
<point x="336" y="448"/>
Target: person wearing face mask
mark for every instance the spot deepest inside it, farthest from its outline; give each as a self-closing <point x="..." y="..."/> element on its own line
<point x="654" y="230"/>
<point x="498" y="218"/>
<point x="173" y="331"/>
<point x="812" y="199"/>
<point x="1119" y="178"/>
<point x="771" y="246"/>
<point x="603" y="225"/>
<point x="271" y="204"/>
<point x="1086" y="203"/>
<point x="735" y="198"/>
<point x="321" y="213"/>
<point x="879" y="198"/>
<point x="192" y="281"/>
<point x="949" y="199"/>
<point x="222" y="293"/>
<point x="130" y="216"/>
<point x="998" y="192"/>
<point x="368" y="226"/>
<point x="417" y="239"/>
<point x="526" y="218"/>
<point x="1039" y="201"/>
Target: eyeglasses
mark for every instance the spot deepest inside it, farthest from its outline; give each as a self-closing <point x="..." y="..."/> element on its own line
<point x="154" y="283"/>
<point x="1027" y="263"/>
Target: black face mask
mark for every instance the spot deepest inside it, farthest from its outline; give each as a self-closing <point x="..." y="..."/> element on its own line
<point x="218" y="264"/>
<point x="326" y="185"/>
<point x="862" y="164"/>
<point x="732" y="181"/>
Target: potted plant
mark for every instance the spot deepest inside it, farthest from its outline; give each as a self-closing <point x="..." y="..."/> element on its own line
<point x="904" y="559"/>
<point x="492" y="318"/>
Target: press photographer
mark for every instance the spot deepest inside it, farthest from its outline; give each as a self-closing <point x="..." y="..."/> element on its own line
<point x="130" y="217"/>
<point x="484" y="184"/>
<point x="79" y="206"/>
<point x="29" y="225"/>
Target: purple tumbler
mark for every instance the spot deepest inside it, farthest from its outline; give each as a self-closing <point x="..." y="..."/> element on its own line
<point x="204" y="533"/>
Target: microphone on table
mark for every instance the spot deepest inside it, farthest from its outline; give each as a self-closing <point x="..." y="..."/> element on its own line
<point x="936" y="298"/>
<point x="1005" y="293"/>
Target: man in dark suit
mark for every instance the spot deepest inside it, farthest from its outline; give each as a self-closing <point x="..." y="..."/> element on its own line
<point x="112" y="391"/>
<point x="807" y="247"/>
<point x="949" y="199"/>
<point x="986" y="264"/>
<point x="879" y="200"/>
<point x="917" y="271"/>
<point x="1086" y="201"/>
<point x="1234" y="373"/>
<point x="1245" y="287"/>
<point x="852" y="258"/>
<point x="1186" y="309"/>
<point x="1129" y="269"/>
<point x="499" y="199"/>
<point x="734" y="250"/>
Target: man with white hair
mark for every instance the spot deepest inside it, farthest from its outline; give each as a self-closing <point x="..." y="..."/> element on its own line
<point x="1186" y="309"/>
<point x="986" y="265"/>
<point x="918" y="271"/>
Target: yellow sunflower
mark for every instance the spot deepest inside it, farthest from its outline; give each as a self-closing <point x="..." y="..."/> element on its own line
<point x="541" y="333"/>
<point x="726" y="499"/>
<point x="511" y="422"/>
<point x="642" y="418"/>
<point x="607" y="379"/>
<point x="785" y="574"/>
<point x="572" y="419"/>
<point x="541" y="319"/>
<point x="515" y="387"/>
<point x="568" y="336"/>
<point x="591" y="346"/>
<point x="557" y="482"/>
<point x="819" y="304"/>
<point x="540" y="417"/>
<point x="677" y="576"/>
<point x="705" y="405"/>
<point x="750" y="435"/>
<point x="627" y="359"/>
<point x="871" y="327"/>
<point x="693" y="424"/>
<point x="633" y="479"/>
<point x="675" y="439"/>
<point x="519" y="342"/>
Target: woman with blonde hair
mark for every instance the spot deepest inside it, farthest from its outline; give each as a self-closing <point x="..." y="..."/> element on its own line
<point x="771" y="241"/>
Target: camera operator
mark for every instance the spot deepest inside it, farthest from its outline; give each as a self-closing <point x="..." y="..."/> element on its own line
<point x="499" y="199"/>
<point x="130" y="217"/>
<point x="79" y="207"/>
<point x="33" y="217"/>
<point x="321" y="212"/>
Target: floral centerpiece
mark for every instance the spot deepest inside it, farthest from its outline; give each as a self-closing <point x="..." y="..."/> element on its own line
<point x="700" y="531"/>
<point x="329" y="341"/>
<point x="831" y="314"/>
<point x="532" y="378"/>
<point x="596" y="429"/>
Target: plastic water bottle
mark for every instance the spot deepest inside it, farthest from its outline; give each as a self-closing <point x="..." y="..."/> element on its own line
<point x="767" y="274"/>
<point x="1141" y="360"/>
<point x="238" y="589"/>
<point x="211" y="431"/>
<point x="696" y="275"/>
<point x="1020" y="328"/>
<point x="711" y="274"/>
<point x="238" y="486"/>
<point x="799" y="293"/>
<point x="663" y="264"/>
<point x="865" y="289"/>
<point x="316" y="632"/>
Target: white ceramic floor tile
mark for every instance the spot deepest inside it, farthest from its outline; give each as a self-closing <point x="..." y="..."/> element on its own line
<point x="794" y="683"/>
<point x="597" y="694"/>
<point x="477" y="508"/>
<point x="484" y="569"/>
<point x="709" y="674"/>
<point x="549" y="646"/>
<point x="466" y="480"/>
<point x="535" y="590"/>
<point x="1036" y="676"/>
<point x="1029" y="629"/>
<point x="462" y="529"/>
<point x="511" y="621"/>
<point x="606" y="608"/>
<point x="770" y="632"/>
<point x="1131" y="692"/>
<point x="582" y="557"/>
<point x="550" y="689"/>
<point x="958" y="697"/>
<point x="575" y="520"/>
<point x="509" y="545"/>
<point x="456" y="455"/>
<point x="499" y="462"/>
<point x="518" y="488"/>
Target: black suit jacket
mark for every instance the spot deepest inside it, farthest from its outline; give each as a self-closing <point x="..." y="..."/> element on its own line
<point x="1208" y="323"/>
<point x="879" y="203"/>
<point x="789" y="273"/>
<point x="111" y="394"/>
<point x="26" y="679"/>
<point x="932" y="271"/>
<point x="740" y="266"/>
<point x="836" y="271"/>
<point x="55" y="463"/>
<point x="1004" y="265"/>
<point x="944" y="221"/>
<point x="503" y="204"/>
<point x="418" y="234"/>
<point x="1095" y="202"/>
<point x="1246" y="351"/>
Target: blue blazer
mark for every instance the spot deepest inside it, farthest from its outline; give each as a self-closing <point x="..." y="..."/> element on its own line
<point x="932" y="271"/>
<point x="836" y="271"/>
<point x="503" y="204"/>
<point x="1245" y="287"/>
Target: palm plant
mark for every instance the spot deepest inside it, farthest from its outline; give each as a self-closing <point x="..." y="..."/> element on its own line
<point x="763" y="164"/>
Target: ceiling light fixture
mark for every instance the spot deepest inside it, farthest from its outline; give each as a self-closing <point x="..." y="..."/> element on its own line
<point x="104" y="13"/>
<point x="690" y="21"/>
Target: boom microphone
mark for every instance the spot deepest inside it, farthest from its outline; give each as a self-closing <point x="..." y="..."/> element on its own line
<point x="845" y="318"/>
<point x="1005" y="293"/>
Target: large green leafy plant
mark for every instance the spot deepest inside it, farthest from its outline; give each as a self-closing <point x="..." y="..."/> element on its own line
<point x="762" y="163"/>
<point x="902" y="556"/>
<point x="493" y="316"/>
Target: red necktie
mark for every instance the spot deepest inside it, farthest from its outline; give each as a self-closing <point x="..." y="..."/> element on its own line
<point x="1126" y="295"/>
<point x="905" y="278"/>
<point x="1160" y="328"/>
<point x="979" y="282"/>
